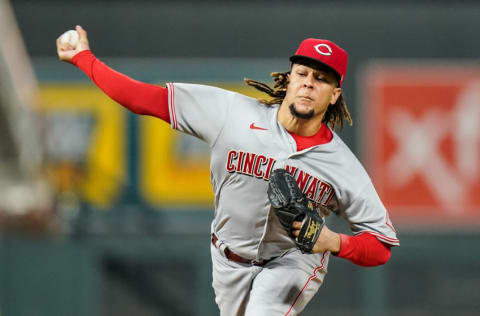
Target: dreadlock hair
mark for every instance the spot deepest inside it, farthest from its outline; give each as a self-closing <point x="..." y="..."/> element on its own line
<point x="335" y="115"/>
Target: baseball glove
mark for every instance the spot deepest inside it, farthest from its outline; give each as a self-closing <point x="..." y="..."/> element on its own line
<point x="291" y="205"/>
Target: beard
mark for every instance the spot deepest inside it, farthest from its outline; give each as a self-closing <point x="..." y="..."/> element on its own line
<point x="305" y="116"/>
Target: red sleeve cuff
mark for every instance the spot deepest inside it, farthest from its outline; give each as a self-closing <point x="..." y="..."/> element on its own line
<point x="364" y="250"/>
<point x="345" y="245"/>
<point x="84" y="61"/>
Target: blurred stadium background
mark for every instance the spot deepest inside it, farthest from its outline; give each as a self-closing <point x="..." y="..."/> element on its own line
<point x="107" y="213"/>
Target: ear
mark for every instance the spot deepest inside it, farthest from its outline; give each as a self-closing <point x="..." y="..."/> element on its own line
<point x="288" y="81"/>
<point x="335" y="95"/>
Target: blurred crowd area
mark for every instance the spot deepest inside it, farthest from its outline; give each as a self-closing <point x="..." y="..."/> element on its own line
<point x="103" y="211"/>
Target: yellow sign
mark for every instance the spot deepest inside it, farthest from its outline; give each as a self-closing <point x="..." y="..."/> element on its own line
<point x="85" y="143"/>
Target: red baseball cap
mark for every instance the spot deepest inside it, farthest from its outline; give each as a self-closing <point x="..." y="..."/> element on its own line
<point x="326" y="53"/>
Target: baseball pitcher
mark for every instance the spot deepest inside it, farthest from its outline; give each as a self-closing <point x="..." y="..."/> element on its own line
<point x="277" y="170"/>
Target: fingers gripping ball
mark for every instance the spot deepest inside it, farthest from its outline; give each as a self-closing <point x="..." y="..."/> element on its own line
<point x="70" y="37"/>
<point x="290" y="205"/>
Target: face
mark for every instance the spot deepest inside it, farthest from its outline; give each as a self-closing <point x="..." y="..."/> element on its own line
<point x="310" y="91"/>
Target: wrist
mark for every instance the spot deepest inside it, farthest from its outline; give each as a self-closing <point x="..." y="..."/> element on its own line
<point x="330" y="241"/>
<point x="336" y="242"/>
<point x="78" y="57"/>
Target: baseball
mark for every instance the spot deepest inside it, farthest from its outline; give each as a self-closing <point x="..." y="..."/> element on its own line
<point x="70" y="37"/>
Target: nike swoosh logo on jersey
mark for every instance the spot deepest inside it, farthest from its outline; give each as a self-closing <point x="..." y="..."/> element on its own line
<point x="252" y="126"/>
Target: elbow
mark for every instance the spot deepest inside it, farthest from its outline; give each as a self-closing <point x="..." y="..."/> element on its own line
<point x="379" y="259"/>
<point x="132" y="108"/>
<point x="383" y="258"/>
<point x="135" y="111"/>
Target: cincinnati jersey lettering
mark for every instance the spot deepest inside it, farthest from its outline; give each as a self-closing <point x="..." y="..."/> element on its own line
<point x="260" y="166"/>
<point x="250" y="164"/>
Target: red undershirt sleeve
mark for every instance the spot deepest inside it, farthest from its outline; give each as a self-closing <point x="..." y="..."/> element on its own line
<point x="138" y="97"/>
<point x="364" y="250"/>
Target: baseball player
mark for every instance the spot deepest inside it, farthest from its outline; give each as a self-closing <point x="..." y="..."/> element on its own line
<point x="261" y="264"/>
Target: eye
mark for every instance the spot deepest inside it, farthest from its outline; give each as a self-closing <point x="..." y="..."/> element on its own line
<point x="301" y="73"/>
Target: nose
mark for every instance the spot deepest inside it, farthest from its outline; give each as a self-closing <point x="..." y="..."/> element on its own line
<point x="308" y="81"/>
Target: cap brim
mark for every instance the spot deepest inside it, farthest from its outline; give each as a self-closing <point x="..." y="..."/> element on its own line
<point x="297" y="59"/>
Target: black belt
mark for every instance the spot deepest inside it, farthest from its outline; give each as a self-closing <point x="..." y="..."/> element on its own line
<point x="236" y="258"/>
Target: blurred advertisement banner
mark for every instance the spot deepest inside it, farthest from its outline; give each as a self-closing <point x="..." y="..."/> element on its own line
<point x="84" y="140"/>
<point x="422" y="140"/>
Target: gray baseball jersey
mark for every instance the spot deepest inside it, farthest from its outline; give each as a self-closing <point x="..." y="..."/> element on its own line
<point x="247" y="142"/>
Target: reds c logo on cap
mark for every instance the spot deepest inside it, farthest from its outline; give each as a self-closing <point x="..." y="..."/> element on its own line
<point x="324" y="52"/>
<point x="323" y="49"/>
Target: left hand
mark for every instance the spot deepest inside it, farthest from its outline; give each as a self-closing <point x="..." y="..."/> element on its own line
<point x="327" y="241"/>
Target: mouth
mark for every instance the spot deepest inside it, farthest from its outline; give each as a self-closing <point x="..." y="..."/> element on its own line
<point x="306" y="98"/>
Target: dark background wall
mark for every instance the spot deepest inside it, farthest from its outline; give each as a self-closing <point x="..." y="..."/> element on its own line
<point x="257" y="29"/>
<point x="367" y="29"/>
